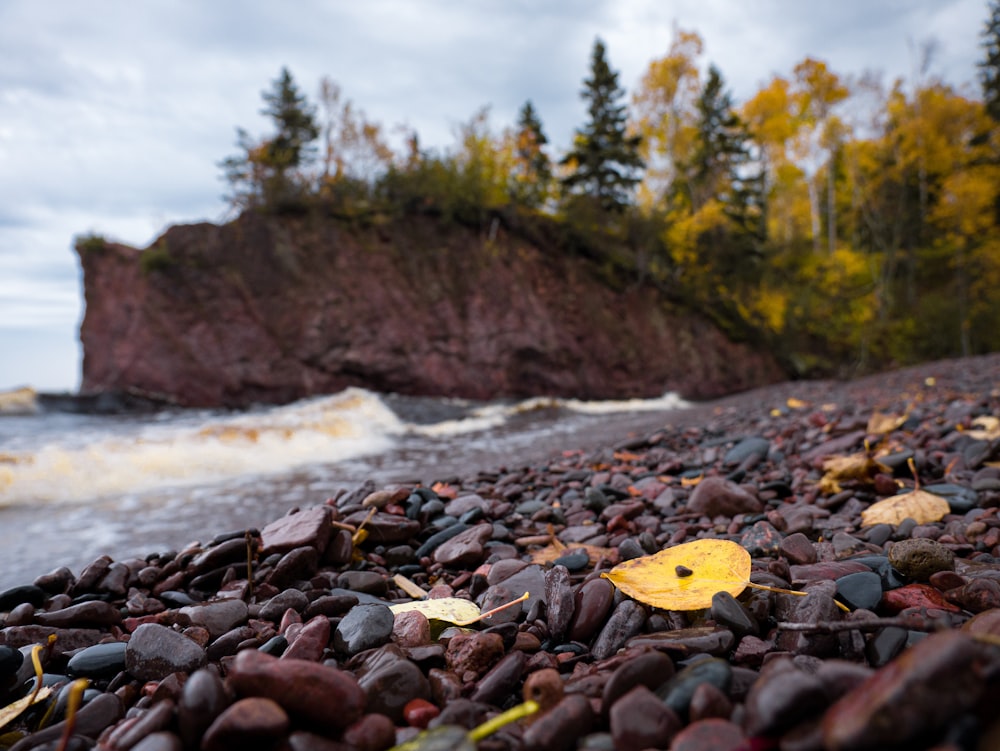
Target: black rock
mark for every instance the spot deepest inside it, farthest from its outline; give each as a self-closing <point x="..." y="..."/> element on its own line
<point x="885" y="645"/>
<point x="677" y="692"/>
<point x="364" y="627"/>
<point x="753" y="446"/>
<point x="98" y="661"/>
<point x="11" y="598"/>
<point x="729" y="612"/>
<point x="862" y="590"/>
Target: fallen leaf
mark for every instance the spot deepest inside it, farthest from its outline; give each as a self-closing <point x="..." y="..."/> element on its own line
<point x="919" y="505"/>
<point x="794" y="403"/>
<point x="13" y="710"/>
<point x="881" y="423"/>
<point x="452" y="609"/>
<point x="556" y="549"/>
<point x="989" y="428"/>
<point x="686" y="576"/>
<point x="854" y="467"/>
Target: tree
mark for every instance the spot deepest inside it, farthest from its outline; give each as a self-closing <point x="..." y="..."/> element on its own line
<point x="266" y="172"/>
<point x="604" y="162"/>
<point x="989" y="67"/>
<point x="532" y="172"/>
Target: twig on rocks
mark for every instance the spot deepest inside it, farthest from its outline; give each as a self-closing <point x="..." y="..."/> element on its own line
<point x="872" y="624"/>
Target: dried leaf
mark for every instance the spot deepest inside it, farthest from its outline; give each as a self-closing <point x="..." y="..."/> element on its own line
<point x="855" y="467"/>
<point x="881" y="423"/>
<point x="989" y="428"/>
<point x="794" y="403"/>
<point x="452" y="609"/>
<point x="12" y="711"/>
<point x="686" y="576"/>
<point x="919" y="505"/>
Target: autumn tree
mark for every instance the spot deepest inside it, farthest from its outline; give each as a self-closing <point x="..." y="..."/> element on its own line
<point x="532" y="170"/>
<point x="604" y="162"/>
<point x="269" y="171"/>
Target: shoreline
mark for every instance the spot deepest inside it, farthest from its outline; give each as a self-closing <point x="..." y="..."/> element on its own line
<point x="747" y="468"/>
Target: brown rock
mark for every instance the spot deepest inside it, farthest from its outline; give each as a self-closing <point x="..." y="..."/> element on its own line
<point x="67" y="639"/>
<point x="252" y="722"/>
<point x="311" y="641"/>
<point x="560" y="727"/>
<point x="302" y="688"/>
<point x="202" y="700"/>
<point x="912" y="697"/>
<point x="86" y="614"/>
<point x="783" y="696"/>
<point x="155" y="652"/>
<point x="798" y="549"/>
<point x="640" y="719"/>
<point x="511" y="323"/>
<point x="710" y="735"/>
<point x="474" y="653"/>
<point x="465" y="548"/>
<point x="373" y="732"/>
<point x="716" y="496"/>
<point x="309" y="527"/>
<point x="920" y="558"/>
<point x="218" y="617"/>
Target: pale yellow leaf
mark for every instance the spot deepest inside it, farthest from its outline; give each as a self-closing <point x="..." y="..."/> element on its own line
<point x="686" y="576"/>
<point x="12" y="711"/>
<point x="919" y="505"/>
<point x="988" y="430"/>
<point x="881" y="423"/>
<point x="452" y="609"/>
<point x="855" y="467"/>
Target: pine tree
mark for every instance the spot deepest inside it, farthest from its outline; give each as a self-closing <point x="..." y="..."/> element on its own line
<point x="989" y="68"/>
<point x="267" y="171"/>
<point x="533" y="172"/>
<point x="605" y="161"/>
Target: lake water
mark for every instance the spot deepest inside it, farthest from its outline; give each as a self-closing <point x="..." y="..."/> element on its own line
<point x="73" y="487"/>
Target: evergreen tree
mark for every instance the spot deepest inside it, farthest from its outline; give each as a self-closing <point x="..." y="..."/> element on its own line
<point x="605" y="161"/>
<point x="533" y="172"/>
<point x="989" y="68"/>
<point x="266" y="171"/>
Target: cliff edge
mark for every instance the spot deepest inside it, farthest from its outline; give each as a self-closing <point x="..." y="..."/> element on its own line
<point x="272" y="309"/>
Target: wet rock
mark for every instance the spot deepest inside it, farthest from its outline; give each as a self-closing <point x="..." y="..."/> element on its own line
<point x="920" y="558"/>
<point x="592" y="604"/>
<point x="154" y="652"/>
<point x="474" y="653"/>
<point x="217" y="617"/>
<point x="677" y="692"/>
<point x="641" y="720"/>
<point x="916" y="596"/>
<point x="95" y="613"/>
<point x="97" y="662"/>
<point x="303" y="689"/>
<point x="729" y="612"/>
<point x="710" y="735"/>
<point x="311" y="641"/>
<point x="364" y="627"/>
<point x="465" y="548"/>
<point x="411" y="629"/>
<point x="202" y="700"/>
<point x="310" y="527"/>
<point x="625" y="622"/>
<point x="560" y="727"/>
<point x="923" y="690"/>
<point x="715" y="496"/>
<point x="783" y="696"/>
<point x="251" y="722"/>
<point x="393" y="685"/>
<point x="650" y="669"/>
<point x="860" y="591"/>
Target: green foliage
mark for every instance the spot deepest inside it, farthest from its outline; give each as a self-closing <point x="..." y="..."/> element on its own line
<point x="604" y="162"/>
<point x="156" y="259"/>
<point x="532" y="173"/>
<point x="89" y="243"/>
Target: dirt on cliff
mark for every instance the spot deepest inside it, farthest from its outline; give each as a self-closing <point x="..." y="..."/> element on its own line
<point x="272" y="309"/>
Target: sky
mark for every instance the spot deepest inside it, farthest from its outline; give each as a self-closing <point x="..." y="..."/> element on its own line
<point x="114" y="114"/>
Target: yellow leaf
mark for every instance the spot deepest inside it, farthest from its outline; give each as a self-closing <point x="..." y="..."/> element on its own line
<point x="884" y="422"/>
<point x="9" y="713"/>
<point x="452" y="609"/>
<point x="989" y="428"/>
<point x="919" y="505"/>
<point x="686" y="576"/>
<point x="794" y="403"/>
<point x="858" y="467"/>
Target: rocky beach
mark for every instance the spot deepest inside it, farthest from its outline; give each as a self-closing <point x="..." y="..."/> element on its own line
<point x="292" y="636"/>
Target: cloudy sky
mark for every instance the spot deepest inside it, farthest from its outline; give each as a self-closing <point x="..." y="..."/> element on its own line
<point x="114" y="113"/>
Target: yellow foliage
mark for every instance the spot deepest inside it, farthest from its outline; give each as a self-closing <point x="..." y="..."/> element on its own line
<point x="919" y="505"/>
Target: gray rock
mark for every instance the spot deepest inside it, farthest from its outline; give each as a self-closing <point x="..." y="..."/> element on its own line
<point x="154" y="652"/>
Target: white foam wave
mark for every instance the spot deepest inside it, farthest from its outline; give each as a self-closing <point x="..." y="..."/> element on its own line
<point x="200" y="450"/>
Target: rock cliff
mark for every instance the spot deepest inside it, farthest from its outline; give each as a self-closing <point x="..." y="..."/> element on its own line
<point x="268" y="309"/>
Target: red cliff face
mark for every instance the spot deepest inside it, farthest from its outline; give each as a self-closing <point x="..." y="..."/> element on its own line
<point x="270" y="310"/>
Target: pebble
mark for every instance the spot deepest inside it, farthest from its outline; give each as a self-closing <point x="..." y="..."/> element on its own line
<point x="310" y="527"/>
<point x="862" y="590"/>
<point x="217" y="617"/>
<point x="651" y="669"/>
<point x="97" y="662"/>
<point x="560" y="727"/>
<point x="677" y="692"/>
<point x="593" y="603"/>
<point x="251" y="722"/>
<point x="715" y="496"/>
<point x="710" y="735"/>
<point x="729" y="612"/>
<point x="465" y="548"/>
<point x="920" y="558"/>
<point x="154" y="652"/>
<point x="392" y="685"/>
<point x="364" y="627"/>
<point x="640" y="720"/>
<point x="202" y="700"/>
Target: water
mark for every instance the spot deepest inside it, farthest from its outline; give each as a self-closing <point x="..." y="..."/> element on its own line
<point x="73" y="487"/>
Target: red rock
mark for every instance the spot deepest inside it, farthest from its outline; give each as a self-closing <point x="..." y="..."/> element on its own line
<point x="510" y="324"/>
<point x="465" y="548"/>
<point x="474" y="653"/>
<point x="249" y="722"/>
<point x="310" y="527"/>
<point x="716" y="496"/>
<point x="419" y="712"/>
<point x="311" y="641"/>
<point x="373" y="732"/>
<point x="640" y="720"/>
<point x="916" y="596"/>
<point x="710" y="735"/>
<point x="911" y="698"/>
<point x="303" y="688"/>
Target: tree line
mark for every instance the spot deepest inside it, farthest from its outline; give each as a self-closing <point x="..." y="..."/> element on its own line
<point x="847" y="224"/>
